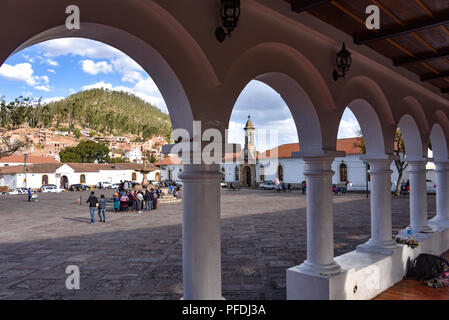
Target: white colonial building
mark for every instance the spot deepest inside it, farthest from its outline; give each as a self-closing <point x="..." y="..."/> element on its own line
<point x="250" y="168"/>
<point x="65" y="174"/>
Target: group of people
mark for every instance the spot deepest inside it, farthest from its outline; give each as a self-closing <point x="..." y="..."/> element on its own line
<point x="129" y="201"/>
<point x="175" y="191"/>
<point x="93" y="203"/>
<point x="125" y="200"/>
<point x="281" y="186"/>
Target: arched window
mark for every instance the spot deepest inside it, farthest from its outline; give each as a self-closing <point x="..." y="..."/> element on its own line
<point x="367" y="171"/>
<point x="83" y="178"/>
<point x="262" y="174"/>
<point x="343" y="172"/>
<point x="223" y="178"/>
<point x="44" y="179"/>
<point x="237" y="174"/>
<point x="280" y="173"/>
<point x="134" y="176"/>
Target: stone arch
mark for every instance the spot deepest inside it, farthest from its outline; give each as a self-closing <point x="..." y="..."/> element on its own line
<point x="178" y="77"/>
<point x="415" y="129"/>
<point x="412" y="138"/>
<point x="297" y="81"/>
<point x="439" y="143"/>
<point x="439" y="135"/>
<point x="370" y="106"/>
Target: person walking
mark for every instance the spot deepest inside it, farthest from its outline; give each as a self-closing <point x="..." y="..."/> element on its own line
<point x="130" y="200"/>
<point x="154" y="199"/>
<point x="29" y="194"/>
<point x="304" y="187"/>
<point x="92" y="201"/>
<point x="102" y="208"/>
<point x="116" y="202"/>
<point x="139" y="199"/>
<point x="148" y="200"/>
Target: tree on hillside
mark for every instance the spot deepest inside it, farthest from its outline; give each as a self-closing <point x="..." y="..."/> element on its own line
<point x="401" y="165"/>
<point x="8" y="146"/>
<point x="86" y="152"/>
<point x="399" y="150"/>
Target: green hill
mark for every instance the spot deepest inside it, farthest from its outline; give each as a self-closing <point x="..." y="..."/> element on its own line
<point x="104" y="111"/>
<point x="109" y="112"/>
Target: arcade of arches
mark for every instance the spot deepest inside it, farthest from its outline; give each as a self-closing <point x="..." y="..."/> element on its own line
<point x="200" y="79"/>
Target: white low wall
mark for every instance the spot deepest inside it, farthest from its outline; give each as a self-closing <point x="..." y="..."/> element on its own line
<point x="364" y="275"/>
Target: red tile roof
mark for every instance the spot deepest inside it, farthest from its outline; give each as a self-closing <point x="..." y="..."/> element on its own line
<point x="348" y="145"/>
<point x="78" y="167"/>
<point x="16" y="158"/>
<point x="169" y="160"/>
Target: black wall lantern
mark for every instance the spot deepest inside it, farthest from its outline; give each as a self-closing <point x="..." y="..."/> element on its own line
<point x="343" y="63"/>
<point x="230" y="13"/>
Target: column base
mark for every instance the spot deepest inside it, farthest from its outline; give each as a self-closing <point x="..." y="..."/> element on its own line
<point x="439" y="224"/>
<point x="320" y="269"/>
<point x="384" y="247"/>
<point x="182" y="299"/>
<point x="423" y="229"/>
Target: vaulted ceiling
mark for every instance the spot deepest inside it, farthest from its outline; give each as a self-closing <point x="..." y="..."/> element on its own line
<point x="413" y="33"/>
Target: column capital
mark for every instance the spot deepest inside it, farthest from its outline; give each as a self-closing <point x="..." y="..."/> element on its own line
<point x="379" y="158"/>
<point x="201" y="172"/>
<point x="319" y="154"/>
<point x="318" y="166"/>
<point x="441" y="166"/>
<point x="413" y="159"/>
<point x="417" y="166"/>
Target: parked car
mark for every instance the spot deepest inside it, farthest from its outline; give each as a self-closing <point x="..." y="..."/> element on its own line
<point x="20" y="191"/>
<point x="105" y="185"/>
<point x="50" y="188"/>
<point x="115" y="185"/>
<point x="224" y="184"/>
<point x="78" y="187"/>
<point x="431" y="186"/>
<point x="268" y="185"/>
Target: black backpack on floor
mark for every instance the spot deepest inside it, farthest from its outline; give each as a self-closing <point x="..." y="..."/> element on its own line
<point x="425" y="267"/>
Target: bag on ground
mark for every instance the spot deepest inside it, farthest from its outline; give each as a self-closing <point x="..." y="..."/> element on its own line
<point x="425" y="267"/>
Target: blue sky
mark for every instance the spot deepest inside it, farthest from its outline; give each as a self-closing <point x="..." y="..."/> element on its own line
<point x="57" y="68"/>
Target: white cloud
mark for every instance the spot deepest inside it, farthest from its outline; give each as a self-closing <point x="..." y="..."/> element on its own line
<point x="20" y="72"/>
<point x="51" y="70"/>
<point x="129" y="69"/>
<point x="349" y="126"/>
<point x="43" y="88"/>
<point x="52" y="62"/>
<point x="24" y="72"/>
<point x="54" y="99"/>
<point x="95" y="68"/>
<point x="76" y="46"/>
<point x="98" y="85"/>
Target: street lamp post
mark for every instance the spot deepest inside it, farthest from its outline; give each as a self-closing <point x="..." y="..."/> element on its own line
<point x="25" y="156"/>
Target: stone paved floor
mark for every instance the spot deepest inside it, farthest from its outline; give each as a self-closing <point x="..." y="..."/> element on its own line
<point x="139" y="256"/>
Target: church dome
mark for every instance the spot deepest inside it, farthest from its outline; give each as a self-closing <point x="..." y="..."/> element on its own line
<point x="249" y="124"/>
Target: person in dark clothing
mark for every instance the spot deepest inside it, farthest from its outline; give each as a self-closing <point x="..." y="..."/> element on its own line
<point x="29" y="194"/>
<point x="102" y="208"/>
<point x="92" y="201"/>
<point x="148" y="200"/>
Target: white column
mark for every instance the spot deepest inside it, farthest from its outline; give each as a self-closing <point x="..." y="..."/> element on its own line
<point x="381" y="225"/>
<point x="442" y="173"/>
<point x="201" y="248"/>
<point x="320" y="225"/>
<point x="418" y="196"/>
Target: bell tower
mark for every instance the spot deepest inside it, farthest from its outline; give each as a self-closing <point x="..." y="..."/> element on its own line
<point x="248" y="168"/>
<point x="250" y="143"/>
